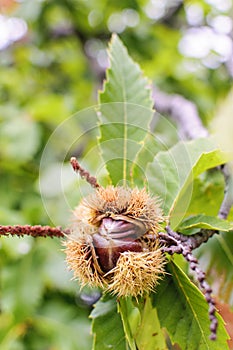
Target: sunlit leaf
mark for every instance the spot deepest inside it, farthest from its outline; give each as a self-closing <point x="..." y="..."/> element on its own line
<point x="207" y="194"/>
<point x="125" y="112"/>
<point x="172" y="172"/>
<point x="206" y="222"/>
<point x="183" y="311"/>
<point x="126" y="309"/>
<point x="149" y="334"/>
<point x="141" y="324"/>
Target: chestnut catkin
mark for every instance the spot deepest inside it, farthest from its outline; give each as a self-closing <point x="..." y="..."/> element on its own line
<point x="113" y="242"/>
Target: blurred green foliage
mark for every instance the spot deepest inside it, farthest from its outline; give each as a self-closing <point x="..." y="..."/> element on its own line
<point x="54" y="71"/>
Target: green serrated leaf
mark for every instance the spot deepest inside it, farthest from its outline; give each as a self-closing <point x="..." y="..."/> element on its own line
<point x="183" y="311"/>
<point x="125" y="309"/>
<point x="207" y="222"/>
<point x="172" y="172"/>
<point x="107" y="326"/>
<point x="162" y="136"/>
<point x="149" y="333"/>
<point x="141" y="324"/>
<point x="207" y="195"/>
<point x="152" y="145"/>
<point x="125" y="112"/>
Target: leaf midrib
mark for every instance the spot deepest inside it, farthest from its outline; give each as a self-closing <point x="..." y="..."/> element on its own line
<point x="125" y="126"/>
<point x="191" y="307"/>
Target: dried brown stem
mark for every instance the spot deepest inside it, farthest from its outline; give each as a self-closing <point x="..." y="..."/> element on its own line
<point x="33" y="231"/>
<point x="84" y="173"/>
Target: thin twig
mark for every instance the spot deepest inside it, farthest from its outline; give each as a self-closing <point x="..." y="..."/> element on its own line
<point x="84" y="173"/>
<point x="33" y="231"/>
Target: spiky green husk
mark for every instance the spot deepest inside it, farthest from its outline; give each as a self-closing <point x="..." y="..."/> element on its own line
<point x="80" y="261"/>
<point x="110" y="201"/>
<point x="135" y="273"/>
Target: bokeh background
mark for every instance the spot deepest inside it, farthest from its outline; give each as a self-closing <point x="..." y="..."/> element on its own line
<point x="52" y="61"/>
